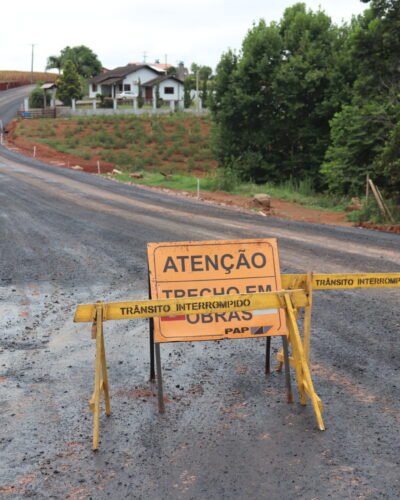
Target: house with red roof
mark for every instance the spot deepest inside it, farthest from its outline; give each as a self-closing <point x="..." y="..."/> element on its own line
<point x="126" y="81"/>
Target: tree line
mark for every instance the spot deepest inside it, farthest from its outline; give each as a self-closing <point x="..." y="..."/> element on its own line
<point x="308" y="99"/>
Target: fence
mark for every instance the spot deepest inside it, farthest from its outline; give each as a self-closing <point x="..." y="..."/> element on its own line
<point x="70" y="113"/>
<point x="12" y="85"/>
<point x="38" y="113"/>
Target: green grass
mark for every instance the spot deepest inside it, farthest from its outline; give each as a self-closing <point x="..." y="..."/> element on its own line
<point x="176" y="144"/>
<point x="297" y="194"/>
<point x="370" y="212"/>
<point x="162" y="142"/>
<point x="177" y="181"/>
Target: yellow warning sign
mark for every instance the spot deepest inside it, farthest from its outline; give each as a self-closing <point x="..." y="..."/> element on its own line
<point x="215" y="268"/>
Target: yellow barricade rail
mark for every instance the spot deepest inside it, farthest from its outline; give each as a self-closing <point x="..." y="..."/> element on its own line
<point x="297" y="293"/>
<point x="171" y="307"/>
<point x="342" y="281"/>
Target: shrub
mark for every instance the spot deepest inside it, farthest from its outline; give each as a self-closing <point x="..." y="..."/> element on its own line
<point x="86" y="155"/>
<point x="191" y="164"/>
<point x="37" y="98"/>
<point x="140" y="99"/>
<point x="370" y="212"/>
<point x="105" y="102"/>
<point x="225" y="179"/>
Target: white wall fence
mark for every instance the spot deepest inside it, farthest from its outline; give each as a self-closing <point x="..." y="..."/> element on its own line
<point x="71" y="113"/>
<point x="89" y="108"/>
<point x="83" y="109"/>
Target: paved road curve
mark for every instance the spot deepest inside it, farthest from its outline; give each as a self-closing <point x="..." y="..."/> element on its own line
<point x="67" y="237"/>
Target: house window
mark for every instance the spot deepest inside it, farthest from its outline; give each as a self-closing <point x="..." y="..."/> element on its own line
<point x="94" y="87"/>
<point x="127" y="87"/>
<point x="120" y="87"/>
<point x="169" y="90"/>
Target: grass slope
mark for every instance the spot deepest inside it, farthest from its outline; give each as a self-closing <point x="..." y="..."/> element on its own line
<point x="170" y="143"/>
<point x="178" y="145"/>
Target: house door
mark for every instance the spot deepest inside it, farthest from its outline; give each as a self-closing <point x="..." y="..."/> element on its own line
<point x="149" y="93"/>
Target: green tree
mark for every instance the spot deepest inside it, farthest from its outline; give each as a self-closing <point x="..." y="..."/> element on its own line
<point x="85" y="60"/>
<point x="365" y="135"/>
<point x="303" y="90"/>
<point x="69" y="84"/>
<point x="272" y="105"/>
<point x="388" y="164"/>
<point x="194" y="68"/>
<point x="205" y="73"/>
<point x="187" y="101"/>
<point x="54" y="62"/>
<point x="199" y="78"/>
<point x="358" y="134"/>
<point x="376" y="49"/>
<point x="140" y="98"/>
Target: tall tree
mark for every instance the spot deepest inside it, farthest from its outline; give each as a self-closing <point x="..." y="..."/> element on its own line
<point x="85" y="60"/>
<point x="69" y="84"/>
<point x="365" y="135"/>
<point x="205" y="73"/>
<point x="280" y="98"/>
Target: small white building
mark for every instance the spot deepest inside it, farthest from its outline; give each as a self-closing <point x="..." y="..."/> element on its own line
<point x="170" y="88"/>
<point x="128" y="78"/>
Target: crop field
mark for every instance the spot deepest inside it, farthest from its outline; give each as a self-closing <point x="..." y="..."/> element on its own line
<point x="17" y="76"/>
<point x="153" y="143"/>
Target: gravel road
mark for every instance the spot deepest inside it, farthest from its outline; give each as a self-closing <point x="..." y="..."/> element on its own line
<point x="67" y="238"/>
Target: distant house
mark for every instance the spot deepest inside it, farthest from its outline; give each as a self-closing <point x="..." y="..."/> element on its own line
<point x="127" y="79"/>
<point x="170" y="88"/>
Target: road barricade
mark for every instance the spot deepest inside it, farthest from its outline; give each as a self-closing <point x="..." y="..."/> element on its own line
<point x="200" y="281"/>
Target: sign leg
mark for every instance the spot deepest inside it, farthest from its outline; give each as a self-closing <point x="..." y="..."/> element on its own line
<point x="105" y="376"/>
<point x="267" y="354"/>
<point x="151" y="337"/>
<point x="161" y="407"/>
<point x="296" y="359"/>
<point x="97" y="379"/>
<point x="287" y="369"/>
<point x="151" y="343"/>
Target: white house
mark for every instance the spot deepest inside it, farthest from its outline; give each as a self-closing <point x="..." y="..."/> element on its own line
<point x="170" y="88"/>
<point x="128" y="78"/>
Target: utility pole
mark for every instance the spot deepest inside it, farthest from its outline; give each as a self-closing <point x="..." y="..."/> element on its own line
<point x="144" y="56"/>
<point x="33" y="46"/>
<point x="197" y="91"/>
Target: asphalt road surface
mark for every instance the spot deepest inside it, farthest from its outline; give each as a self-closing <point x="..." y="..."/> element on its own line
<point x="67" y="238"/>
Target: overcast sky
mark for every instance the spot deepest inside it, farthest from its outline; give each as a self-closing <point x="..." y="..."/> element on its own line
<point x="122" y="31"/>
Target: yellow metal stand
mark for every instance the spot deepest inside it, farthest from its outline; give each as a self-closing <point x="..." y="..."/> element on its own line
<point x="308" y="287"/>
<point x="307" y="317"/>
<point x="300" y="362"/>
<point x="300" y="359"/>
<point x="101" y="378"/>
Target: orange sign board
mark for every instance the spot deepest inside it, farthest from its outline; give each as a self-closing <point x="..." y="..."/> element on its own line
<point x="205" y="268"/>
